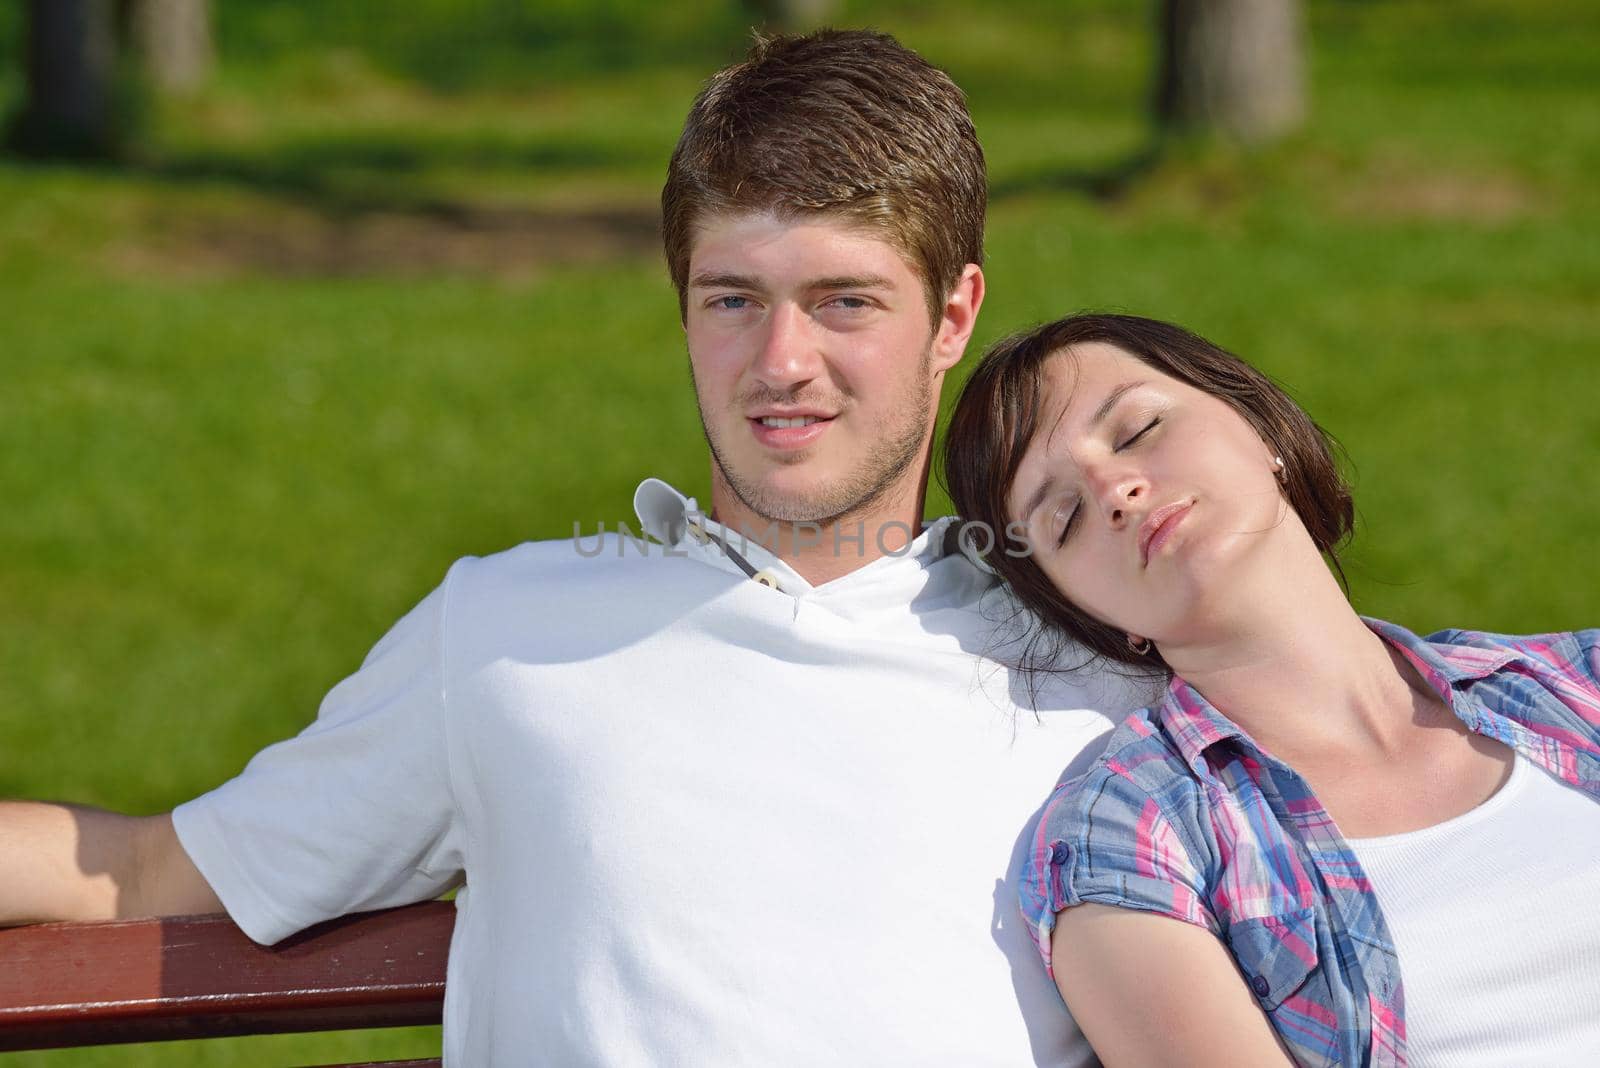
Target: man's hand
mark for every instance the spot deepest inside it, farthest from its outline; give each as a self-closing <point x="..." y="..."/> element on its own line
<point x="65" y="862"/>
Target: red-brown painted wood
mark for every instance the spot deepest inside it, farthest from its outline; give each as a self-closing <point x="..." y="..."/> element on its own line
<point x="201" y="977"/>
<point x="432" y="1062"/>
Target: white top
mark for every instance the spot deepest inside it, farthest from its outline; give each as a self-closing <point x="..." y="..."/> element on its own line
<point x="701" y="820"/>
<point x="1499" y="954"/>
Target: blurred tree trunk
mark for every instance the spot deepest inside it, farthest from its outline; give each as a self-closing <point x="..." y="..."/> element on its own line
<point x="1233" y="67"/>
<point x="792" y="14"/>
<point x="71" y="58"/>
<point x="172" y="39"/>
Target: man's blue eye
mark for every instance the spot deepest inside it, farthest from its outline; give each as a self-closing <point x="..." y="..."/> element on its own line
<point x="730" y="303"/>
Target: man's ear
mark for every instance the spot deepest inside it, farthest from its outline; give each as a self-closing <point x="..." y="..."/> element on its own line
<point x="958" y="317"/>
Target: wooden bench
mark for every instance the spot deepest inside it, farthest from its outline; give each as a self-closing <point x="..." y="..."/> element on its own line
<point x="67" y="984"/>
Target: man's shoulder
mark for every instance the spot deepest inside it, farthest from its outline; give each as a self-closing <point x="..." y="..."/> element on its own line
<point x="590" y="561"/>
<point x="1051" y="671"/>
<point x="546" y="598"/>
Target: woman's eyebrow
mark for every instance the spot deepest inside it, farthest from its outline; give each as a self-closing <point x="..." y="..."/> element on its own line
<point x="1038" y="498"/>
<point x="1100" y="413"/>
<point x="1110" y="402"/>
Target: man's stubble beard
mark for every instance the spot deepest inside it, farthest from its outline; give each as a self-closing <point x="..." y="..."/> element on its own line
<point x="858" y="491"/>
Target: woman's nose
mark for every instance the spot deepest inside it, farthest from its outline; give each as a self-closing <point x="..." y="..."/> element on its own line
<point x="1122" y="495"/>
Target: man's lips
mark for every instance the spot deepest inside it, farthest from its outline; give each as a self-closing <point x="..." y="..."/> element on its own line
<point x="788" y="428"/>
<point x="1158" y="526"/>
<point x="780" y="415"/>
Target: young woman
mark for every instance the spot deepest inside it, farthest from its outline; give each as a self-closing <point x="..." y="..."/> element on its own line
<point x="1322" y="804"/>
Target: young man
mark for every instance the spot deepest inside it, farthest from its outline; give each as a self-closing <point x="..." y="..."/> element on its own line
<point x="752" y="797"/>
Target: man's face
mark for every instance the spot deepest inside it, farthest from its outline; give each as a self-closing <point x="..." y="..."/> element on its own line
<point x="815" y="364"/>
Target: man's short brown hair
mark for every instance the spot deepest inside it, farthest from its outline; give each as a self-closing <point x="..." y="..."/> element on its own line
<point x="846" y="124"/>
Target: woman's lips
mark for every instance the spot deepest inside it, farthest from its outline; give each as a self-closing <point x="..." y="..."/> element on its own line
<point x="1159" y="526"/>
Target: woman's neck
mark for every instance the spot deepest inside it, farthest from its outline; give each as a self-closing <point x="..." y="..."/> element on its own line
<point x="1304" y="676"/>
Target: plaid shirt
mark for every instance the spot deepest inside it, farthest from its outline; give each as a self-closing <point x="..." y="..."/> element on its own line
<point x="1184" y="815"/>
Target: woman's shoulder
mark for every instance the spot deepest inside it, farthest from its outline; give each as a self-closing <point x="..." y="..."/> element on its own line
<point x="1131" y="831"/>
<point x="1140" y="766"/>
<point x="1563" y="644"/>
<point x="1559" y="657"/>
<point x="1140" y="749"/>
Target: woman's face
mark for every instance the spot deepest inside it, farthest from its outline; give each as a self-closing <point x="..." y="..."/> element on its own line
<point x="1143" y="497"/>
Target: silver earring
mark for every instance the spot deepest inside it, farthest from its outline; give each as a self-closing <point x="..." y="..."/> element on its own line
<point x="1282" y="472"/>
<point x="1140" y="646"/>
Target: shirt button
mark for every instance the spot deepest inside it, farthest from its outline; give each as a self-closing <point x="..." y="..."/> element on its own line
<point x="767" y="579"/>
<point x="1059" y="853"/>
<point x="1258" y="983"/>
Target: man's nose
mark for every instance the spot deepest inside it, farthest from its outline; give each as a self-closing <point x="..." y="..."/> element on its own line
<point x="788" y="356"/>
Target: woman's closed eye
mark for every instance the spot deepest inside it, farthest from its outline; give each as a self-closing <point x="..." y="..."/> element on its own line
<point x="1070" y="523"/>
<point x="1134" y="440"/>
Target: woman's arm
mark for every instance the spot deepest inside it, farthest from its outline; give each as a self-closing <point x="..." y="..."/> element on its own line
<point x="1151" y="990"/>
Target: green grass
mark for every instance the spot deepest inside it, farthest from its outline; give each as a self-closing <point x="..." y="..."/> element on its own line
<point x="326" y="333"/>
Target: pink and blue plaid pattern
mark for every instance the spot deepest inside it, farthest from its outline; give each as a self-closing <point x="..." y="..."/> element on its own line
<point x="1184" y="815"/>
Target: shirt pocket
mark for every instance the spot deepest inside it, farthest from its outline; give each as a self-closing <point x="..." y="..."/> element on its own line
<point x="1275" y="953"/>
<point x="1278" y="958"/>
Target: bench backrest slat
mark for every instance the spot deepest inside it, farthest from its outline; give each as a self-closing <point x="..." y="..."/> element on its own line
<point x="201" y="977"/>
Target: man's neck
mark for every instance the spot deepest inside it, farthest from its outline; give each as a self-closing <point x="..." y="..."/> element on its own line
<point x="820" y="552"/>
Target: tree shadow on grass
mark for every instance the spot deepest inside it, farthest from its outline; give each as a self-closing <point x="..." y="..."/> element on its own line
<point x="353" y="205"/>
<point x="358" y="205"/>
<point x="364" y="172"/>
<point x="438" y="237"/>
<point x="1107" y="182"/>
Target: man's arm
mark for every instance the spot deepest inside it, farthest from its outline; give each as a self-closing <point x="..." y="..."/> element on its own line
<point x="67" y="862"/>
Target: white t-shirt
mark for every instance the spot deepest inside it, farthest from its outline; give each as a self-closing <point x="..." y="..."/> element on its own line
<point x="702" y="821"/>
<point x="1500" y="959"/>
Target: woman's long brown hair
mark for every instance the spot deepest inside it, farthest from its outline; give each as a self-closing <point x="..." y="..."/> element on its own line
<point x="999" y="412"/>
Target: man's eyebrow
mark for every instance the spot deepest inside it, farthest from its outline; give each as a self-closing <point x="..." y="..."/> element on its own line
<point x="852" y="281"/>
<point x="723" y="280"/>
<point x="1110" y="402"/>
